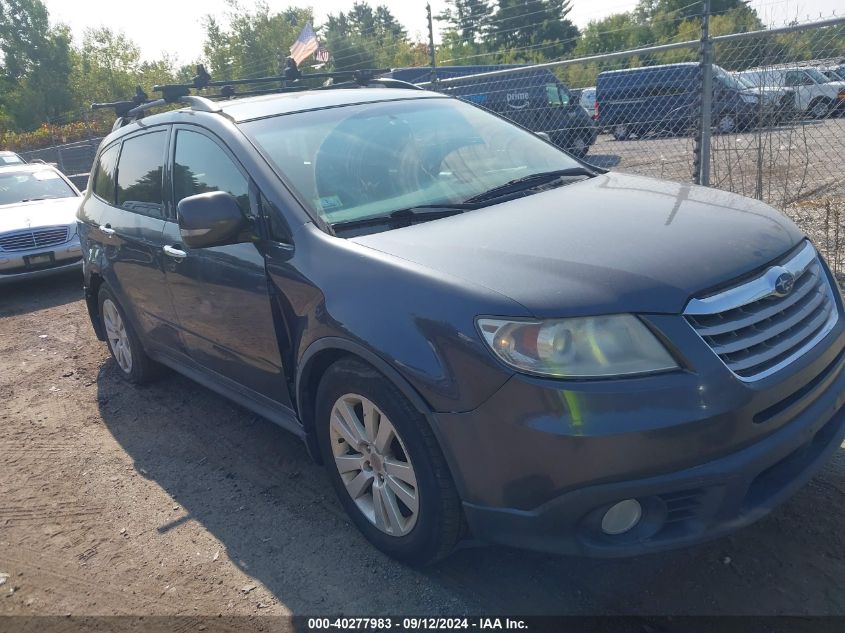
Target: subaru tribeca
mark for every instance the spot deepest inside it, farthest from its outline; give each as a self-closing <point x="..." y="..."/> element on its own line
<point x="478" y="335"/>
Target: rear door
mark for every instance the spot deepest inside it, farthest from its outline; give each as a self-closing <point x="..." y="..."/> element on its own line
<point x="126" y="214"/>
<point x="221" y="294"/>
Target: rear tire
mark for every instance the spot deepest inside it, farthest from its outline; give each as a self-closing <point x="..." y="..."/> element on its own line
<point x="386" y="465"/>
<point x="132" y="361"/>
<point x="620" y="131"/>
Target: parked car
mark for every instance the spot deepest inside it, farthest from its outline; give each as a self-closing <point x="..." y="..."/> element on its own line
<point x="10" y="158"/>
<point x="665" y="99"/>
<point x="534" y="99"/>
<point x="777" y="104"/>
<point x="815" y="94"/>
<point x="476" y="333"/>
<point x="37" y="222"/>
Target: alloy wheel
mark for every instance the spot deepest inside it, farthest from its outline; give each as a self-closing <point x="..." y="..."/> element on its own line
<point x="727" y="124"/>
<point x="579" y="147"/>
<point x="374" y="465"/>
<point x="117" y="336"/>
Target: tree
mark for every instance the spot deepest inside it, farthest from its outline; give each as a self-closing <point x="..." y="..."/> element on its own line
<point x="366" y="37"/>
<point x="468" y="20"/>
<point x="532" y="27"/>
<point x="107" y="65"/>
<point x="249" y="46"/>
<point x="35" y="66"/>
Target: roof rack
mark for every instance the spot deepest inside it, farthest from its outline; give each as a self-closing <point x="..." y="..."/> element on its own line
<point x="288" y="81"/>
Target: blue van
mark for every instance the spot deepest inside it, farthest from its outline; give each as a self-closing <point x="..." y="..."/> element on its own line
<point x="665" y="99"/>
<point x="534" y="99"/>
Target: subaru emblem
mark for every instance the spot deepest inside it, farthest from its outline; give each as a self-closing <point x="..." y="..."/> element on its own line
<point x="784" y="284"/>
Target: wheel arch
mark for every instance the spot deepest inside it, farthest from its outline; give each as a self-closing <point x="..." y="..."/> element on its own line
<point x="323" y="353"/>
<point x="92" y="300"/>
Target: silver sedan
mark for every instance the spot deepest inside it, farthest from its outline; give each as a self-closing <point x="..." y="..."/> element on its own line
<point x="37" y="222"/>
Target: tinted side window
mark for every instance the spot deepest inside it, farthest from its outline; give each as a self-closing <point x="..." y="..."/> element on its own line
<point x="201" y="166"/>
<point x="139" y="173"/>
<point x="104" y="178"/>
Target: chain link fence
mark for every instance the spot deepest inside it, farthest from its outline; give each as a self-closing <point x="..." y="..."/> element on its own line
<point x="770" y="127"/>
<point x="73" y="159"/>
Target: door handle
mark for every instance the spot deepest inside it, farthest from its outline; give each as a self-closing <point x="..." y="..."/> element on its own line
<point x="107" y="230"/>
<point x="174" y="252"/>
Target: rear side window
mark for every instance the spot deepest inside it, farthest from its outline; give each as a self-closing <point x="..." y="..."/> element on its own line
<point x="139" y="173"/>
<point x="104" y="178"/>
<point x="201" y="165"/>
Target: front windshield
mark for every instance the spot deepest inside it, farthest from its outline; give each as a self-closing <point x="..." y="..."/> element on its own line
<point x="817" y="76"/>
<point x="366" y="161"/>
<point x="728" y="81"/>
<point x="745" y="81"/>
<point x="25" y="186"/>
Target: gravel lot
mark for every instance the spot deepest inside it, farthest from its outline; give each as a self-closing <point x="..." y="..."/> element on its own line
<point x="168" y="499"/>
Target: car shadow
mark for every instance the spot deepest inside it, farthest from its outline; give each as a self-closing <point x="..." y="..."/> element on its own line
<point x="31" y="295"/>
<point x="253" y="487"/>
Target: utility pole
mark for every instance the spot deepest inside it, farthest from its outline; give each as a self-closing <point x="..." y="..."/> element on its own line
<point x="431" y="50"/>
<point x="703" y="175"/>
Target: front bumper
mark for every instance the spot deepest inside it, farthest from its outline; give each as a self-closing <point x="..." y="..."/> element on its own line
<point x="538" y="465"/>
<point x="16" y="265"/>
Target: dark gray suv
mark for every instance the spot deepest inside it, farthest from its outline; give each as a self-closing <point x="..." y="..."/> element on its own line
<point x="477" y="334"/>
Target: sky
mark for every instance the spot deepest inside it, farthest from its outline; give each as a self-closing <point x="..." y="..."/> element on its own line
<point x="181" y="33"/>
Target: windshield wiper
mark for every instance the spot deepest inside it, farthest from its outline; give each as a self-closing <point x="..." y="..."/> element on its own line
<point x="529" y="182"/>
<point x="406" y="217"/>
<point x="32" y="199"/>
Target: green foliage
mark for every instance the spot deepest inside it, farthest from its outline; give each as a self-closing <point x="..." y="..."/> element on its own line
<point x="365" y="37"/>
<point x="248" y="47"/>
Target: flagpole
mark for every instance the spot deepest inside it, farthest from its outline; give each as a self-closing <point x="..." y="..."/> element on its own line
<point x="431" y="47"/>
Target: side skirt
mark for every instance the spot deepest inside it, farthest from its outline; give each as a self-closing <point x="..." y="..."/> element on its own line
<point x="244" y="396"/>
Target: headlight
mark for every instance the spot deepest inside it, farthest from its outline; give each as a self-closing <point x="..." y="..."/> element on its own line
<point x="584" y="347"/>
<point x="749" y="98"/>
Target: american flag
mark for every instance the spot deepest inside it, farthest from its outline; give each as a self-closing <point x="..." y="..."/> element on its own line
<point x="322" y="55"/>
<point x="305" y="45"/>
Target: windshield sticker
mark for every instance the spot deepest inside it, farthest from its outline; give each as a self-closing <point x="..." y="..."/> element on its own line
<point x="329" y="203"/>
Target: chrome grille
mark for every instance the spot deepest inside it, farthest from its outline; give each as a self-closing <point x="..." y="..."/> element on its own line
<point x="36" y="238"/>
<point x="756" y="328"/>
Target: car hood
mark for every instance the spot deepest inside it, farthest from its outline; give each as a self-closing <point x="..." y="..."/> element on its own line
<point x="26" y="215"/>
<point x="613" y="243"/>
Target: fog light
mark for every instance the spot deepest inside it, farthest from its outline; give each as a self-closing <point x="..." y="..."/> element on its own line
<point x="622" y="517"/>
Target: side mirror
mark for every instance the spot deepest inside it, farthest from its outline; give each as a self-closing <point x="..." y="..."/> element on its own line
<point x="544" y="136"/>
<point x="210" y="219"/>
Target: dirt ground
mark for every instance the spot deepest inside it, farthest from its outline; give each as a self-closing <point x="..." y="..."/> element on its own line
<point x="168" y="499"/>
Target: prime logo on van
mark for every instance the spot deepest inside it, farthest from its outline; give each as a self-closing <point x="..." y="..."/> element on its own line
<point x="517" y="100"/>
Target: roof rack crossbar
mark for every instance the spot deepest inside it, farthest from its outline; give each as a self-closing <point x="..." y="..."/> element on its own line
<point x="154" y="103"/>
<point x="173" y="92"/>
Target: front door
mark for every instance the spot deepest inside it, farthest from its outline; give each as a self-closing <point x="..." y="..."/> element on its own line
<point x="221" y="294"/>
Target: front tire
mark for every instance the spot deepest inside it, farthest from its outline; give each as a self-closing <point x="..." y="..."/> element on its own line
<point x="385" y="465"/>
<point x="580" y="147"/>
<point x="820" y="108"/>
<point x="125" y="347"/>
